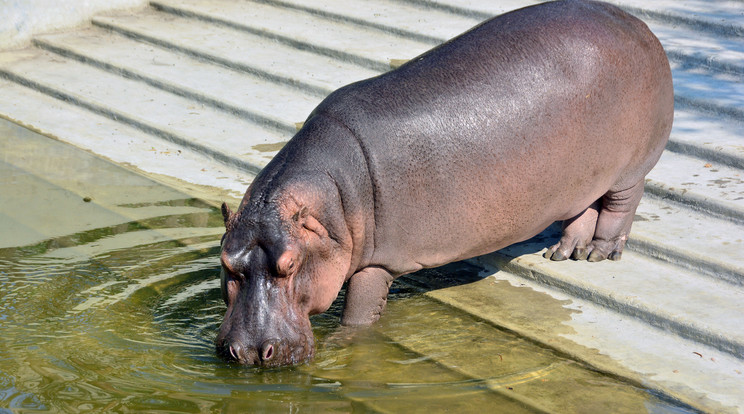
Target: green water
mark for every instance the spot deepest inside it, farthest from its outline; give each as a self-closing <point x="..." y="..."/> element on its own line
<point x="110" y="302"/>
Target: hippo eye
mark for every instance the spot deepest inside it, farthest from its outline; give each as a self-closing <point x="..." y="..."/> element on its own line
<point x="223" y="285"/>
<point x="285" y="269"/>
<point x="229" y="285"/>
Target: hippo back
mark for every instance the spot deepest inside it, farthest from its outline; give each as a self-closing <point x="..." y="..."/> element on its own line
<point x="522" y="121"/>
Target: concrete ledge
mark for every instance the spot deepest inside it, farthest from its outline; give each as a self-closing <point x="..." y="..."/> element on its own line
<point x="699" y="376"/>
<point x="21" y="20"/>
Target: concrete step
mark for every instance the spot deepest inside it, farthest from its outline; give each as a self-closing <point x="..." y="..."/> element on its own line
<point x="238" y="49"/>
<point x="225" y="137"/>
<point x="473" y="8"/>
<point x="432" y="25"/>
<point x="37" y="181"/>
<point x="690" y="239"/>
<point x="722" y="18"/>
<point x="694" y="88"/>
<point x="694" y="49"/>
<point x="273" y="104"/>
<point x="698" y="184"/>
<point x="707" y="137"/>
<point x="671" y="298"/>
<point x="260" y="112"/>
<point x="683" y="46"/>
<point x="351" y="43"/>
<point x="709" y="92"/>
<point x="689" y="50"/>
<point x="121" y="143"/>
<point x="608" y="341"/>
<point x="516" y="369"/>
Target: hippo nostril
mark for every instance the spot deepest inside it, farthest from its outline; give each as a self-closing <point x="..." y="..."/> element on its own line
<point x="267" y="351"/>
<point x="231" y="350"/>
<point x="237" y="351"/>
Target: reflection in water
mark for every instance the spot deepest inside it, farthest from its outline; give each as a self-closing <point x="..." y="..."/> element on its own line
<point x="113" y="304"/>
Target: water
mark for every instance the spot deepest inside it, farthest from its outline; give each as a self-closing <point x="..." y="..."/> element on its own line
<point x="110" y="302"/>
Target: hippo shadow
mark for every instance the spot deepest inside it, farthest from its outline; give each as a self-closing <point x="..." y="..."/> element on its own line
<point x="454" y="274"/>
<point x="460" y="273"/>
<point x="469" y="271"/>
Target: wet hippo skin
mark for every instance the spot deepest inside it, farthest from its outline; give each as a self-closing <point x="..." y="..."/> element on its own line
<point x="551" y="112"/>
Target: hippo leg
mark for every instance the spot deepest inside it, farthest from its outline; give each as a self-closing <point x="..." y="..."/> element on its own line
<point x="614" y="222"/>
<point x="577" y="235"/>
<point x="366" y="296"/>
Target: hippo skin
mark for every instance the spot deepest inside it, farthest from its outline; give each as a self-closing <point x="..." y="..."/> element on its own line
<point x="551" y="112"/>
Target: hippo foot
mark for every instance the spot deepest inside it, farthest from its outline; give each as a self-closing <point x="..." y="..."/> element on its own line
<point x="599" y="233"/>
<point x="577" y="236"/>
<point x="558" y="254"/>
<point x="596" y="251"/>
<point x="607" y="249"/>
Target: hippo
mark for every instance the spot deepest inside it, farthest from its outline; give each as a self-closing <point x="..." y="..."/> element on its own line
<point x="554" y="112"/>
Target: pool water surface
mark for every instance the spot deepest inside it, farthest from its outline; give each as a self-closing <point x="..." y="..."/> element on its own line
<point x="110" y="302"/>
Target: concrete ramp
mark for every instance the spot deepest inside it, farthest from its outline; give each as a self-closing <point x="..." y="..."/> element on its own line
<point x="202" y="93"/>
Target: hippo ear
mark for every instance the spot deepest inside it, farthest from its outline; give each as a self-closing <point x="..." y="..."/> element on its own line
<point x="226" y="215"/>
<point x="300" y="216"/>
<point x="289" y="261"/>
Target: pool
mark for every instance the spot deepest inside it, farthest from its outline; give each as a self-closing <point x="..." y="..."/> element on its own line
<point x="110" y="302"/>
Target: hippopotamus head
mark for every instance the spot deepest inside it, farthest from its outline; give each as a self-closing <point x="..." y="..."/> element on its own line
<point x="284" y="257"/>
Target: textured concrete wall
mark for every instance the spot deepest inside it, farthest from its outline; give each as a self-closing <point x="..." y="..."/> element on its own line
<point x="20" y="19"/>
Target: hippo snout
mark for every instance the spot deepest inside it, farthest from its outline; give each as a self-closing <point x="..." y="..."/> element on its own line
<point x="267" y="353"/>
<point x="236" y="351"/>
